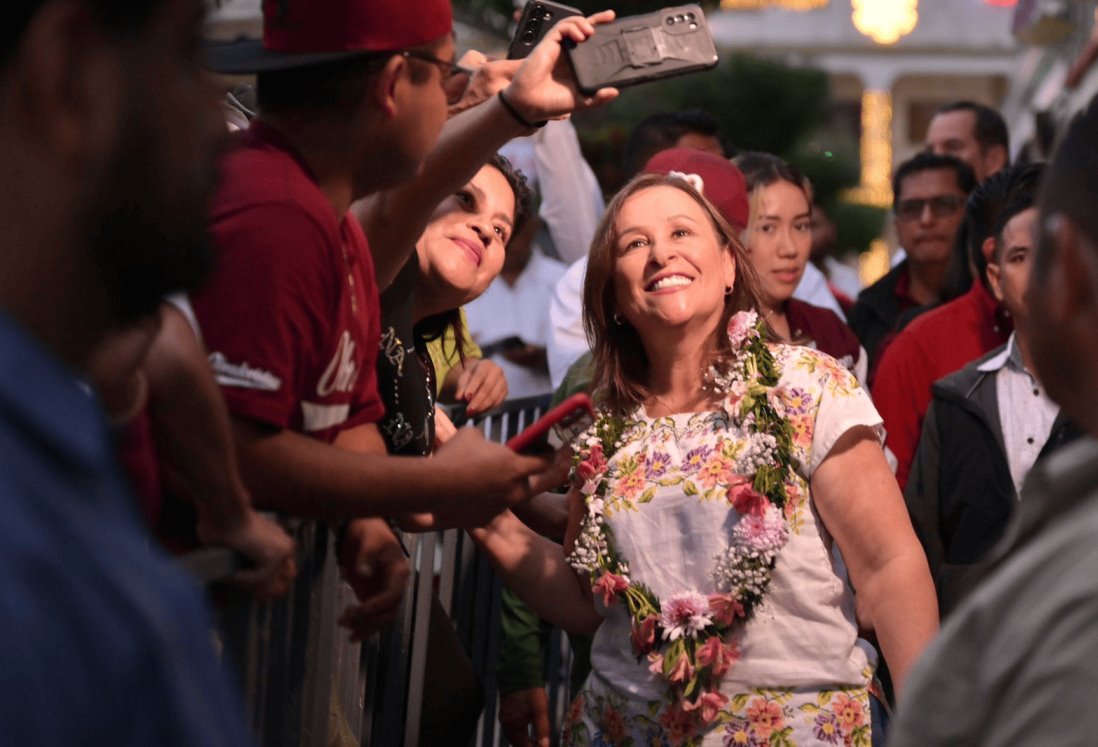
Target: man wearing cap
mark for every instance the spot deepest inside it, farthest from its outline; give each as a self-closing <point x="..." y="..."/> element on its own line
<point x="353" y="95"/>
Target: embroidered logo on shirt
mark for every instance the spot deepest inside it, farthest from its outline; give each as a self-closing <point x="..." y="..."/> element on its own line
<point x="341" y="373"/>
<point x="242" y="375"/>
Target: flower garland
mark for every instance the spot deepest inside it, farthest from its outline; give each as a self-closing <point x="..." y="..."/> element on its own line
<point x="687" y="637"/>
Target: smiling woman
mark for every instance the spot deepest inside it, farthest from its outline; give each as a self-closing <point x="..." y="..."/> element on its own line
<point x="459" y="253"/>
<point x="722" y="467"/>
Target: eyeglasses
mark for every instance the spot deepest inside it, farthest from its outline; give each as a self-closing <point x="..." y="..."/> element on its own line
<point x="451" y="72"/>
<point x="942" y="206"/>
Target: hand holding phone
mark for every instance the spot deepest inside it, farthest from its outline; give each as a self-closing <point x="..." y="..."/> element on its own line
<point x="538" y="16"/>
<point x="565" y="421"/>
<point x="638" y="49"/>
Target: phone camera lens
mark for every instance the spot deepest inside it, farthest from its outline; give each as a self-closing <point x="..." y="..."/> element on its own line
<point x="670" y="20"/>
<point x="690" y="16"/>
<point x="548" y="16"/>
<point x="528" y="36"/>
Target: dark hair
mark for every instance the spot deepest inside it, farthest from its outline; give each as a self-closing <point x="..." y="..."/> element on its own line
<point x="1019" y="200"/>
<point x="620" y="363"/>
<point x="763" y="169"/>
<point x="921" y="162"/>
<point x="123" y="18"/>
<point x="991" y="128"/>
<point x="661" y="131"/>
<point x="337" y="87"/>
<point x="981" y="210"/>
<point x="433" y="327"/>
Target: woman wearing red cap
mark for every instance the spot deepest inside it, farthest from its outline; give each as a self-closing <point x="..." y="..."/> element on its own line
<point x="723" y="469"/>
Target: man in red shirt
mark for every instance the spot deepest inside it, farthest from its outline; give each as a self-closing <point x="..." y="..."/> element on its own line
<point x="947" y="338"/>
<point x="354" y="95"/>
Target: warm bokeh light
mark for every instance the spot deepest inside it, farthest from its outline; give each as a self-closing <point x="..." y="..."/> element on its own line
<point x="876" y="150"/>
<point x="874" y="263"/>
<point x="885" y="21"/>
<point x="760" y="4"/>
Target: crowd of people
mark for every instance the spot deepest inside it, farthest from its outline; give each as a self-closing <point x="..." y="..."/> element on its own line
<point x="790" y="483"/>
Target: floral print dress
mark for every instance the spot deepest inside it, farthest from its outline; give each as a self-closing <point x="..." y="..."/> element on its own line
<point x="804" y="674"/>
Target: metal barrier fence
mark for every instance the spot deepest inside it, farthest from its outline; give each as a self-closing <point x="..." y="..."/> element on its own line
<point x="304" y="683"/>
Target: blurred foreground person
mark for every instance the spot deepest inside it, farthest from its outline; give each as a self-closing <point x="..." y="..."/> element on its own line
<point x="1014" y="663"/>
<point x="107" y="130"/>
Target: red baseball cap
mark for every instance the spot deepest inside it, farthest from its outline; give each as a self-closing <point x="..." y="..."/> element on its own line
<point x="714" y="176"/>
<point x="298" y="33"/>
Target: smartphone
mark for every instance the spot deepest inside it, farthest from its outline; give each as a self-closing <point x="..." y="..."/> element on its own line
<point x="538" y="16"/>
<point x="557" y="427"/>
<point x="502" y="346"/>
<point x="638" y="49"/>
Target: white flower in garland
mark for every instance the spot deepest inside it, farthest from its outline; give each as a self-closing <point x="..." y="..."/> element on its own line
<point x="684" y="615"/>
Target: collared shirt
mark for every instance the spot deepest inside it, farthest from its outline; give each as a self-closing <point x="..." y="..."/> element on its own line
<point x="1026" y="414"/>
<point x="106" y="642"/>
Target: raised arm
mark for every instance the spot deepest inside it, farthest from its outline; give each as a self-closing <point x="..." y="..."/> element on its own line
<point x="542" y="88"/>
<point x="861" y="506"/>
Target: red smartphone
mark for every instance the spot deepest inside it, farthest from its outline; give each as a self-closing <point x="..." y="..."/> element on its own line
<point x="565" y="421"/>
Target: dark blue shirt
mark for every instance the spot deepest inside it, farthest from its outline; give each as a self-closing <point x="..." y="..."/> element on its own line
<point x="102" y="640"/>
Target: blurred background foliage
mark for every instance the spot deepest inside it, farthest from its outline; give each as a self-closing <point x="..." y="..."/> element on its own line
<point x="761" y="104"/>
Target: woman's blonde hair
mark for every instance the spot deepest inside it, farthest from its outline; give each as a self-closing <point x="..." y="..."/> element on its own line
<point x="620" y="362"/>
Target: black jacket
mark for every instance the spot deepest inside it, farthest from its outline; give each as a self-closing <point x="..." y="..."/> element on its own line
<point x="960" y="494"/>
<point x="873" y="316"/>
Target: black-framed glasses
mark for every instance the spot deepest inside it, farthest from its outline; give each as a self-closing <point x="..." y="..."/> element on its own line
<point x="942" y="206"/>
<point x="451" y="72"/>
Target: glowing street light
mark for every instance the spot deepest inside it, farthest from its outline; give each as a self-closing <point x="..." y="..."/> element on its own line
<point x="885" y="21"/>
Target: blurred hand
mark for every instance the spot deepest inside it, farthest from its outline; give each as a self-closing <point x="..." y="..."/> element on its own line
<point x="486" y="478"/>
<point x="481" y="385"/>
<point x="373" y="562"/>
<point x="521" y="710"/>
<point x="544" y="86"/>
<point x="444" y="428"/>
<point x="264" y="543"/>
<point x="489" y="77"/>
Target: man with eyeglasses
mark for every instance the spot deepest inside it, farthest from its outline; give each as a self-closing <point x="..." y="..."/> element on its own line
<point x="929" y="196"/>
<point x="353" y="98"/>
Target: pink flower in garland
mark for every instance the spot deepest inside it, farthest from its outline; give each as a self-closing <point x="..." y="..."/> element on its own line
<point x="766" y="533"/>
<point x="643" y="635"/>
<point x="725" y="608"/>
<point x="741" y="328"/>
<point x="717" y="655"/>
<point x="733" y="396"/>
<point x="609" y="585"/>
<point x="593" y="465"/>
<point x="746" y="500"/>
<point x="708" y="704"/>
<point x="684" y="615"/>
<point x="682" y="671"/>
<point x="678" y="723"/>
<point x="655" y="663"/>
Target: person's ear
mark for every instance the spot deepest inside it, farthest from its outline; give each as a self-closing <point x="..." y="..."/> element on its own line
<point x="728" y="268"/>
<point x="68" y="90"/>
<point x="993" y="277"/>
<point x="988" y="249"/>
<point x="386" y="84"/>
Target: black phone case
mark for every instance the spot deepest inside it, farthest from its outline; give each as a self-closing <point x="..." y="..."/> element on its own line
<point x="538" y="16"/>
<point x="638" y="49"/>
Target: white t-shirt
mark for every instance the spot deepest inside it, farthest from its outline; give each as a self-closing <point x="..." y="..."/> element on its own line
<point x="518" y="310"/>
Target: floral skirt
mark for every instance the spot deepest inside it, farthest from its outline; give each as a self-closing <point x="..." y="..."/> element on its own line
<point x="772" y="717"/>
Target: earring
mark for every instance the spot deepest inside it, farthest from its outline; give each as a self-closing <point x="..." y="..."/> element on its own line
<point x="618" y="320"/>
<point x="728" y="290"/>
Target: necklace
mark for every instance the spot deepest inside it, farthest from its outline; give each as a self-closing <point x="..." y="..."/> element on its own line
<point x="688" y="637"/>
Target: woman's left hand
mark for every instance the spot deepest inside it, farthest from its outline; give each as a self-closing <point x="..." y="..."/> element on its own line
<point x="481" y="385"/>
